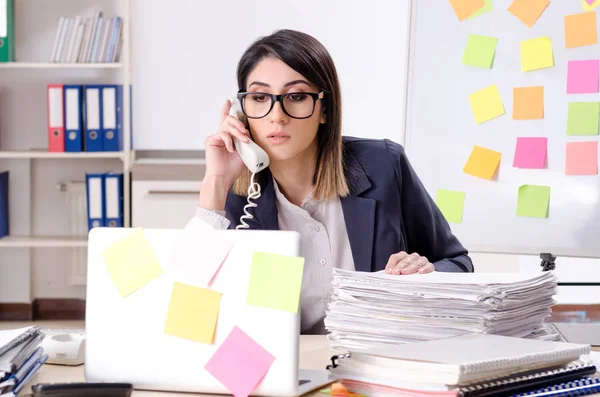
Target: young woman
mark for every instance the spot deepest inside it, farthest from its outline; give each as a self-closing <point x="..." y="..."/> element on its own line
<point x="357" y="203"/>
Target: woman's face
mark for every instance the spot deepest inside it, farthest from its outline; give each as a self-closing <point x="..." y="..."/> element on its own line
<point x="281" y="136"/>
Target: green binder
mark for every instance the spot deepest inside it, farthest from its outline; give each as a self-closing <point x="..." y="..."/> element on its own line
<point x="7" y="31"/>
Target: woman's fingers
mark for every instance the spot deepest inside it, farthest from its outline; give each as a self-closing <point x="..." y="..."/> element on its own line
<point x="225" y="111"/>
<point x="237" y="129"/>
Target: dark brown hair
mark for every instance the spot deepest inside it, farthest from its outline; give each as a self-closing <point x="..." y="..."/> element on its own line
<point x="307" y="56"/>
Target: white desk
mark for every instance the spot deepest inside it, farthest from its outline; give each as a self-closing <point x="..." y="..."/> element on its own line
<point x="314" y="354"/>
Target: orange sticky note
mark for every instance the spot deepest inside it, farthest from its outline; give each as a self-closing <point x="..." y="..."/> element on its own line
<point x="580" y="29"/>
<point x="464" y="8"/>
<point x="528" y="103"/>
<point x="482" y="163"/>
<point x="528" y="11"/>
<point x="582" y="158"/>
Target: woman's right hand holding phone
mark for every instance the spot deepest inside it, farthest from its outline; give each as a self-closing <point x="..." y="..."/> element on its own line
<point x="223" y="163"/>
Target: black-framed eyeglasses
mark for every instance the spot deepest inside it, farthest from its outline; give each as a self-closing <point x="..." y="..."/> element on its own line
<point x="297" y="105"/>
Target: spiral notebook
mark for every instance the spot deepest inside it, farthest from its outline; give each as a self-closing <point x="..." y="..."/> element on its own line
<point x="460" y="360"/>
<point x="569" y="389"/>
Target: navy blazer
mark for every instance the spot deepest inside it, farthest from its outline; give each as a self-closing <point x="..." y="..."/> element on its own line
<point x="388" y="210"/>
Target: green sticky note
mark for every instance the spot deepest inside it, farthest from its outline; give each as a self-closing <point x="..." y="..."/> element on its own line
<point x="275" y="281"/>
<point x="451" y="203"/>
<point x="480" y="51"/>
<point x="533" y="201"/>
<point x="583" y="118"/>
<point x="484" y="10"/>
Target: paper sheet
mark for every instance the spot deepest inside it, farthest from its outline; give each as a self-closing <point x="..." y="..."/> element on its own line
<point x="131" y="262"/>
<point x="486" y="104"/>
<point x="480" y="51"/>
<point x="582" y="158"/>
<point x="582" y="76"/>
<point x="240" y="363"/>
<point x="451" y="203"/>
<point x="275" y="281"/>
<point x="197" y="256"/>
<point x="528" y="11"/>
<point x="533" y="201"/>
<point x="482" y="163"/>
<point x="528" y="103"/>
<point x="580" y="29"/>
<point x="530" y="153"/>
<point x="193" y="313"/>
<point x="536" y="54"/>
<point x="466" y="8"/>
<point x="487" y="8"/>
<point x="583" y="118"/>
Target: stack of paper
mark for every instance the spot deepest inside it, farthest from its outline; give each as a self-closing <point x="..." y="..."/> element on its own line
<point x="21" y="356"/>
<point x="370" y="310"/>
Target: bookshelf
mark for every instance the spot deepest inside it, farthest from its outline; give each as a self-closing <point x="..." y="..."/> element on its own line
<point x="37" y="209"/>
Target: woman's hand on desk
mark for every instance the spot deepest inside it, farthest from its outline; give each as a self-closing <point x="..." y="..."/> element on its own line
<point x="403" y="263"/>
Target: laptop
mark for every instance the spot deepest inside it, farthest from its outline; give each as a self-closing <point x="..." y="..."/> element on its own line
<point x="125" y="338"/>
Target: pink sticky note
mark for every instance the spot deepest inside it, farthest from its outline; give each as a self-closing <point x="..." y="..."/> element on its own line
<point x="582" y="158"/>
<point x="240" y="363"/>
<point x="582" y="77"/>
<point x="590" y="2"/>
<point x="530" y="153"/>
<point x="198" y="256"/>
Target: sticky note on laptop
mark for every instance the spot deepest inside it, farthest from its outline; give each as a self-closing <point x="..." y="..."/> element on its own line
<point x="198" y="255"/>
<point x="275" y="281"/>
<point x="536" y="54"/>
<point x="482" y="162"/>
<point x="131" y="262"/>
<point x="193" y="313"/>
<point x="533" y="201"/>
<point x="240" y="363"/>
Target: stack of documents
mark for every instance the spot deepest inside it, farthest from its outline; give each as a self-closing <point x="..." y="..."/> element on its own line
<point x="471" y="365"/>
<point x="21" y="356"/>
<point x="370" y="310"/>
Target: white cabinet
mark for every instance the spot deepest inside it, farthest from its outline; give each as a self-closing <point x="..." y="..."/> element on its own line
<point x="163" y="204"/>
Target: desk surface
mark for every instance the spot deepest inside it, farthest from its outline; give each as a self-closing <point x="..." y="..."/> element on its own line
<point x="314" y="354"/>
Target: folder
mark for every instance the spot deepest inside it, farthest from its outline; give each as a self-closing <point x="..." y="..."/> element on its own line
<point x="73" y="118"/>
<point x="96" y="208"/>
<point x="3" y="204"/>
<point x="56" y="124"/>
<point x="113" y="199"/>
<point x="94" y="142"/>
<point x="112" y="117"/>
<point x="7" y="31"/>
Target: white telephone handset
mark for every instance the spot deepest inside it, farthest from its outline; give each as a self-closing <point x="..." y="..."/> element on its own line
<point x="253" y="156"/>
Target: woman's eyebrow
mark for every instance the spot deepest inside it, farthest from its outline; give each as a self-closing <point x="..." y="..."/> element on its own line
<point x="288" y="84"/>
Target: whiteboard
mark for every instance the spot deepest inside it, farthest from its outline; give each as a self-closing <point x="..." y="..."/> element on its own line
<point x="184" y="58"/>
<point x="441" y="131"/>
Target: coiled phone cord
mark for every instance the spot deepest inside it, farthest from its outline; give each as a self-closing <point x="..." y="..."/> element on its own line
<point x="253" y="194"/>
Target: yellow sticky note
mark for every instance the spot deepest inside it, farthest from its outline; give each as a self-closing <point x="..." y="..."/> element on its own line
<point x="536" y="54"/>
<point x="482" y="163"/>
<point x="528" y="103"/>
<point x="486" y="104"/>
<point x="580" y="29"/>
<point x="193" y="313"/>
<point x="451" y="203"/>
<point x="528" y="11"/>
<point x="131" y="262"/>
<point x="590" y="6"/>
<point x="466" y="8"/>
